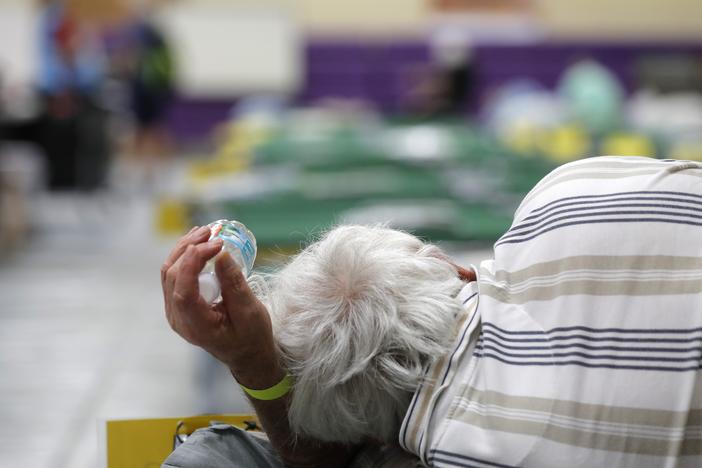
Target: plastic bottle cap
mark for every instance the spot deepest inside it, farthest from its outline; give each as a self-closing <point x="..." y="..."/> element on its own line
<point x="209" y="287"/>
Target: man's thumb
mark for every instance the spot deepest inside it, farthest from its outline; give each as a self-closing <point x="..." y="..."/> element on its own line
<point x="235" y="289"/>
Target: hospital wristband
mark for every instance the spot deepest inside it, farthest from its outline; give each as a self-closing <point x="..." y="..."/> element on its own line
<point x="271" y="393"/>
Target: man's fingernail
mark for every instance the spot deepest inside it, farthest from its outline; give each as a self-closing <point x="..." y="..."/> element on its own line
<point x="203" y="230"/>
<point x="217" y="241"/>
<point x="194" y="228"/>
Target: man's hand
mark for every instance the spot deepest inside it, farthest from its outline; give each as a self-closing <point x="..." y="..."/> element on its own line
<point x="237" y="330"/>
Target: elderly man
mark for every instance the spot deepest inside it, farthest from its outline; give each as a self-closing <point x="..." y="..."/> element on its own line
<point x="579" y="343"/>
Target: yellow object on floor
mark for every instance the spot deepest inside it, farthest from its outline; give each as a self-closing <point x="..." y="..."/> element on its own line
<point x="687" y="150"/>
<point x="142" y="443"/>
<point x="628" y="144"/>
<point x="172" y="217"/>
<point x="566" y="143"/>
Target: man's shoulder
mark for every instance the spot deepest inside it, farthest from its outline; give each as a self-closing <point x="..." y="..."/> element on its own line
<point x="585" y="176"/>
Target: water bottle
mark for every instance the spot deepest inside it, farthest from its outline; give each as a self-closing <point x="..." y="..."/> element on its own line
<point x="240" y="243"/>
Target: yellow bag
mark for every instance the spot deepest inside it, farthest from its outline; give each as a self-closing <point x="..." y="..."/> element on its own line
<point x="142" y="443"/>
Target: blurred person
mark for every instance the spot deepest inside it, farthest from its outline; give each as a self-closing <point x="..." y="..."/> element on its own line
<point x="446" y="87"/>
<point x="151" y="79"/>
<point x="71" y="72"/>
<point x="452" y="54"/>
<point x="143" y="80"/>
<point x="71" y="127"/>
<point x="579" y="343"/>
<point x="71" y="62"/>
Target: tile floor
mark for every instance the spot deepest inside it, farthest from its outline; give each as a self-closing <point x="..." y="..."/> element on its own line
<point x="83" y="337"/>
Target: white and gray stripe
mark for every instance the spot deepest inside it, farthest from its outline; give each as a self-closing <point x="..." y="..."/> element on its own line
<point x="617" y="207"/>
<point x="594" y="275"/>
<point x="628" y="429"/>
<point x="667" y="350"/>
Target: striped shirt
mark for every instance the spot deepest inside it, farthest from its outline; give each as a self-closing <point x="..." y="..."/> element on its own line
<point x="581" y="342"/>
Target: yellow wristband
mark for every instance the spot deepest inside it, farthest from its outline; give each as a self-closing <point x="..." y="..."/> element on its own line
<point x="271" y="393"/>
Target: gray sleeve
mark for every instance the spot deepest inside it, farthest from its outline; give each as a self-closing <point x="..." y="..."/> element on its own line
<point x="223" y="446"/>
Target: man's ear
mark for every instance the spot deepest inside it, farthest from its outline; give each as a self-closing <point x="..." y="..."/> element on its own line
<point x="465" y="274"/>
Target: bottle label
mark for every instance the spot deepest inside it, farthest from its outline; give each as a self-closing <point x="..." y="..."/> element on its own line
<point x="238" y="239"/>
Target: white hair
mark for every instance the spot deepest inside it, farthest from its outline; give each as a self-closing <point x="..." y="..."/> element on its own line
<point x="358" y="316"/>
